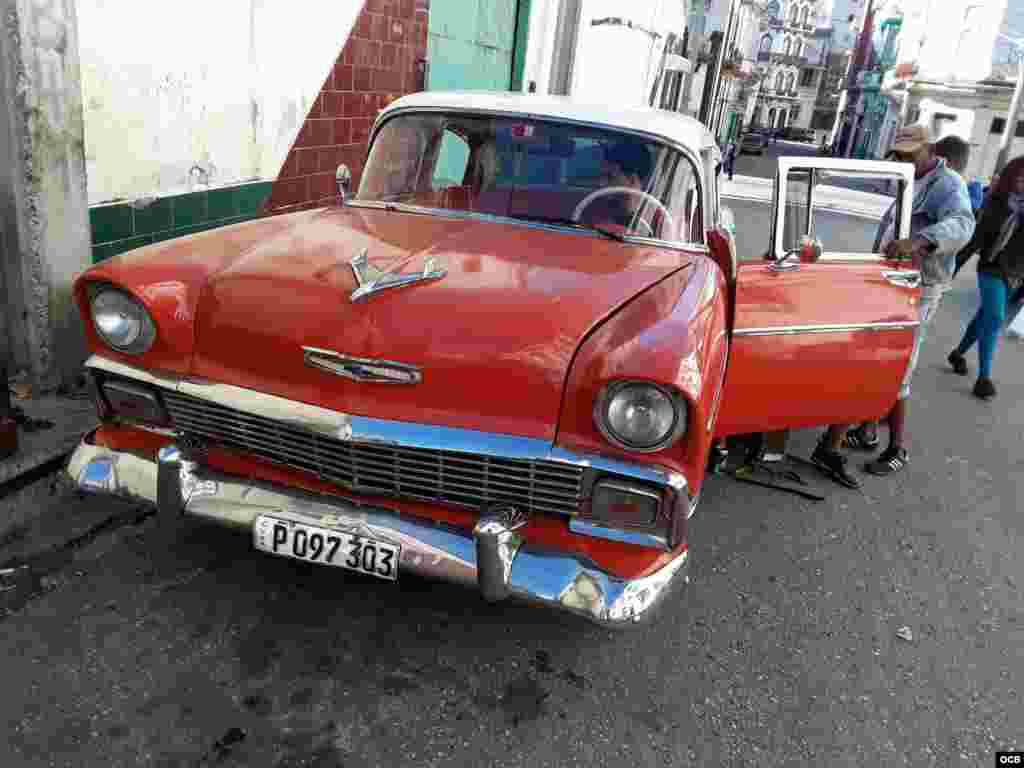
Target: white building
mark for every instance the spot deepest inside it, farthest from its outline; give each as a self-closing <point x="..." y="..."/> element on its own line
<point x="976" y="112"/>
<point x="602" y="51"/>
<point x="947" y="53"/>
<point x="948" y="40"/>
<point x="792" y="56"/>
<point x="607" y="51"/>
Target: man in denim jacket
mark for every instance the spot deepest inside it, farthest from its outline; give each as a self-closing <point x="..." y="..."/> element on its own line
<point x="941" y="224"/>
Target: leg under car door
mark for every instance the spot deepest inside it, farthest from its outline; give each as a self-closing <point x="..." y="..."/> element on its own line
<point x="824" y="326"/>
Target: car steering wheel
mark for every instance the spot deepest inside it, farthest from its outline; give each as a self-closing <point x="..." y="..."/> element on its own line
<point x="586" y="201"/>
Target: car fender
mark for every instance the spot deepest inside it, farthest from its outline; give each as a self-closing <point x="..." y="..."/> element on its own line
<point x="168" y="279"/>
<point x="674" y="334"/>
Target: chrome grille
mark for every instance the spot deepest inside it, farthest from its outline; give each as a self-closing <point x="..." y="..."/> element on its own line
<point x="463" y="479"/>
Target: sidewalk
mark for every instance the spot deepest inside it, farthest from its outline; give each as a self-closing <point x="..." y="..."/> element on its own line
<point x="848" y="201"/>
<point x="58" y="423"/>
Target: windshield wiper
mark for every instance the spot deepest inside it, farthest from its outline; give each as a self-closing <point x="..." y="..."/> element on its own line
<point x="609" y="233"/>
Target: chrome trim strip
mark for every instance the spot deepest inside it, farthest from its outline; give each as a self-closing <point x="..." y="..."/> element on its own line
<point x="905" y="278"/>
<point x="493" y="557"/>
<point x="694" y="501"/>
<point x="362" y="369"/>
<point x="721" y="379"/>
<point x="492" y="218"/>
<point x="131" y="372"/>
<point x="343" y="426"/>
<point x="621" y="535"/>
<point x="786" y="330"/>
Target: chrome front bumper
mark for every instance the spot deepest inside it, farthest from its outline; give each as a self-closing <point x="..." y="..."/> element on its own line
<point x="493" y="557"/>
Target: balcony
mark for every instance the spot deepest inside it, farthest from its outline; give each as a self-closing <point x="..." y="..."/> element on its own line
<point x="782" y="58"/>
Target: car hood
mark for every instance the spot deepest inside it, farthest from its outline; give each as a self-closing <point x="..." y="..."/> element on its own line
<point x="493" y="338"/>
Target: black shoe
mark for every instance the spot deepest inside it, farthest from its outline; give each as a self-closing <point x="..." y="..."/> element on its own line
<point x="984" y="388"/>
<point x="859" y="440"/>
<point x="833" y="466"/>
<point x="891" y="460"/>
<point x="959" y="363"/>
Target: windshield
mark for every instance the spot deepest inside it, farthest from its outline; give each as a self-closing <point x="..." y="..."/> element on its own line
<point x="535" y="170"/>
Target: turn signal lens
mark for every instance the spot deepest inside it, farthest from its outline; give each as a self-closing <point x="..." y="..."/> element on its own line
<point x="135" y="402"/>
<point x="622" y="504"/>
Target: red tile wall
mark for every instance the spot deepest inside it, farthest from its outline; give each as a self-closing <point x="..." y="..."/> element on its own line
<point x="381" y="60"/>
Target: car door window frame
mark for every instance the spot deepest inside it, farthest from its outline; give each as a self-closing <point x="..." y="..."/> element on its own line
<point x="903" y="173"/>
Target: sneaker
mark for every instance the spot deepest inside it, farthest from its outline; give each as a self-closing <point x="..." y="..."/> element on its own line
<point x="891" y="460"/>
<point x="984" y="388"/>
<point x="959" y="363"/>
<point x="833" y="466"/>
<point x="859" y="440"/>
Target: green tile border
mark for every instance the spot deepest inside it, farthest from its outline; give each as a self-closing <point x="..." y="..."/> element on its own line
<point x="152" y="218"/>
<point x="120" y="227"/>
<point x="111" y="222"/>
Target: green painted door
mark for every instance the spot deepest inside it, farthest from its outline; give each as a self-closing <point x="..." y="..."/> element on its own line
<point x="471" y="44"/>
<point x="730" y="134"/>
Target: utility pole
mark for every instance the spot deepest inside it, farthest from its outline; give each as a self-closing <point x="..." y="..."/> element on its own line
<point x="1010" y="128"/>
<point x="728" y="41"/>
<point x="849" y="131"/>
<point x="713" y="66"/>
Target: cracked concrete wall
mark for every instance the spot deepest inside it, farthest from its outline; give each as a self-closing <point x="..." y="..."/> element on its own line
<point x="183" y="95"/>
<point x="43" y="207"/>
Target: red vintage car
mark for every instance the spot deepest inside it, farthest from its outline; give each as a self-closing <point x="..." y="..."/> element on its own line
<point x="502" y="361"/>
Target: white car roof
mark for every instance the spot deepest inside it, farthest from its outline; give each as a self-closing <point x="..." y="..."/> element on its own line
<point x="672" y="126"/>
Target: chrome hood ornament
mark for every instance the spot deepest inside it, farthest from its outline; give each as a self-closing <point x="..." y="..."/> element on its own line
<point x="371" y="280"/>
<point x="362" y="369"/>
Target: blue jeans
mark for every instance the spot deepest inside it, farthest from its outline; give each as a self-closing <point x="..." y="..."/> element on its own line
<point x="987" y="323"/>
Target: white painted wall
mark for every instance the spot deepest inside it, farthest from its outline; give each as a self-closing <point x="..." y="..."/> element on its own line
<point x="613" y="64"/>
<point x="221" y="85"/>
<point x="974" y="113"/>
<point x="950" y="38"/>
<point x="44" y="220"/>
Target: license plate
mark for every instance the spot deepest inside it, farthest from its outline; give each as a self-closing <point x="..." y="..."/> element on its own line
<point x="326" y="546"/>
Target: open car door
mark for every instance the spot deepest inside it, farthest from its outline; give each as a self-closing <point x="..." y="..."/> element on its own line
<point x="824" y="325"/>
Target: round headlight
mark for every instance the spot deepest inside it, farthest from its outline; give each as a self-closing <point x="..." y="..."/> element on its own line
<point x="122" y="322"/>
<point x="640" y="416"/>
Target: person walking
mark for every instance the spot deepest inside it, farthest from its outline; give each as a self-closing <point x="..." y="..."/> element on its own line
<point x="999" y="242"/>
<point x="730" y="157"/>
<point x="941" y="224"/>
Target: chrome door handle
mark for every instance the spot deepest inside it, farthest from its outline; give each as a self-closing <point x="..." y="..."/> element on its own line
<point x="907" y="278"/>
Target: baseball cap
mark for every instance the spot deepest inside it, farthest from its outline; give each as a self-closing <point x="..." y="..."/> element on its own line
<point x="911" y="138"/>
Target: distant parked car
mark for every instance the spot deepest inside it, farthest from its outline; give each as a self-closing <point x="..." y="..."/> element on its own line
<point x="753" y="144"/>
<point x="799" y="134"/>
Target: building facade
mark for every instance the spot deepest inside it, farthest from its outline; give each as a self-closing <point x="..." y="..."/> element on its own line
<point x="953" y="74"/>
<point x="792" y="54"/>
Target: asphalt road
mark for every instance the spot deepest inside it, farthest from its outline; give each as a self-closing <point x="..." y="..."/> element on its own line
<point x="764" y="165"/>
<point x="153" y="650"/>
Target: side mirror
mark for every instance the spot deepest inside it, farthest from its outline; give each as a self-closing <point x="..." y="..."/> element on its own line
<point x="810" y="249"/>
<point x="808" y="252"/>
<point x="343" y="178"/>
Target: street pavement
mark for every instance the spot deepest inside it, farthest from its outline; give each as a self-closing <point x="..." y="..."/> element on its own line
<point x="787" y="649"/>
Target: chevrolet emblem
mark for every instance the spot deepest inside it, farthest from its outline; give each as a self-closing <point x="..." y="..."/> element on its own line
<point x="362" y="369"/>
